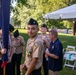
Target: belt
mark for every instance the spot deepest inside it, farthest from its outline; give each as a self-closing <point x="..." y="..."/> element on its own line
<point x="34" y="69"/>
<point x="37" y="71"/>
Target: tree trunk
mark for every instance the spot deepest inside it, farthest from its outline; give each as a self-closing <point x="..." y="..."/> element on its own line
<point x="74" y="28"/>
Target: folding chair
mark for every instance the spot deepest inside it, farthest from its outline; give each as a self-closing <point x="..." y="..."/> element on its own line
<point x="70" y="48"/>
<point x="69" y="57"/>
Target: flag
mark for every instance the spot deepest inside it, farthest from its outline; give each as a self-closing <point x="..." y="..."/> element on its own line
<point x="0" y="16"/>
<point x="5" y="13"/>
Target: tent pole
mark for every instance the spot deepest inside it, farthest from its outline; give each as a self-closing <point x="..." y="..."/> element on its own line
<point x="4" y="70"/>
<point x="44" y="20"/>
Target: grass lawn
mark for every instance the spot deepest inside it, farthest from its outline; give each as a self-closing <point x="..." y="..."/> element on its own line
<point x="66" y="39"/>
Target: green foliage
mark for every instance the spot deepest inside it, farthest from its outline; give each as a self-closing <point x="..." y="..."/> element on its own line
<point x="55" y="23"/>
<point x="36" y="9"/>
<point x="67" y="24"/>
<point x="23" y="2"/>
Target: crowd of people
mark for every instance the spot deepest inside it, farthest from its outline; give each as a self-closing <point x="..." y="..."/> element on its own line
<point x="43" y="51"/>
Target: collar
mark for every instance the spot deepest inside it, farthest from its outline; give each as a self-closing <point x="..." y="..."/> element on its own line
<point x="33" y="39"/>
<point x="55" y="40"/>
<point x="43" y="34"/>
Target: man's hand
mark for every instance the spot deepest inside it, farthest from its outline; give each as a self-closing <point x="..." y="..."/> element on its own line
<point x="51" y="55"/>
<point x="47" y="53"/>
<point x="26" y="74"/>
<point x="22" y="67"/>
<point x="9" y="60"/>
<point x="46" y="56"/>
<point x="3" y="51"/>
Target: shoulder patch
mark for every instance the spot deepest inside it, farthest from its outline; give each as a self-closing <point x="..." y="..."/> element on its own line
<point x="36" y="45"/>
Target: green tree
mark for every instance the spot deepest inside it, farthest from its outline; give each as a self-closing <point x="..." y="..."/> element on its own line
<point x="37" y="8"/>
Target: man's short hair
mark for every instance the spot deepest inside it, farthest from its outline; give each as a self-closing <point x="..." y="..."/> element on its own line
<point x="44" y="25"/>
<point x="54" y="32"/>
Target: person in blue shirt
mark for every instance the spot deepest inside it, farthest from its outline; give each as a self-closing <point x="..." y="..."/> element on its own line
<point x="55" y="53"/>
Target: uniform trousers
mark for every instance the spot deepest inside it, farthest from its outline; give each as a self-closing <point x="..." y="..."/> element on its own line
<point x="36" y="72"/>
<point x="1" y="70"/>
<point x="54" y="72"/>
<point x="16" y="61"/>
<point x="45" y="65"/>
<point x="8" y="69"/>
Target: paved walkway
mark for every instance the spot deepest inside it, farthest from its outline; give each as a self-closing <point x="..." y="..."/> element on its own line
<point x="64" y="31"/>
